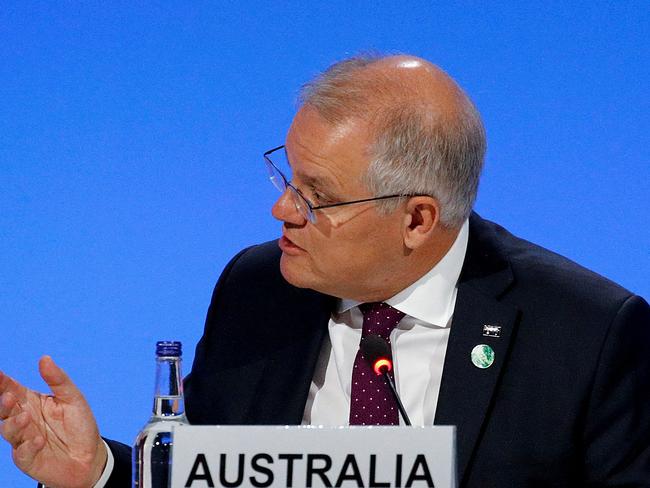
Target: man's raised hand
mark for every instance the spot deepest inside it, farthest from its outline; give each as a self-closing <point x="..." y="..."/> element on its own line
<point x="55" y="439"/>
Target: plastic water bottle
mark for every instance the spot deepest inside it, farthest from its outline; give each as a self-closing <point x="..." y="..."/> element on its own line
<point x="152" y="452"/>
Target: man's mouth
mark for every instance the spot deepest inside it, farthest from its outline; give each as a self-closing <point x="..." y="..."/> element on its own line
<point x="289" y="247"/>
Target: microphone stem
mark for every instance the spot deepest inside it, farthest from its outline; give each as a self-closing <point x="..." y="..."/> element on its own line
<point x="402" y="411"/>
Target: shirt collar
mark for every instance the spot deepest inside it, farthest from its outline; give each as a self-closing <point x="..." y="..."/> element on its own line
<point x="431" y="299"/>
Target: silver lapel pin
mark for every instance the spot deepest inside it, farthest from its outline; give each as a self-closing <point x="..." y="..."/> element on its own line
<point x="492" y="330"/>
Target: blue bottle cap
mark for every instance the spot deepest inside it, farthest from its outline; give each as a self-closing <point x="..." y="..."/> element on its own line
<point x="168" y="348"/>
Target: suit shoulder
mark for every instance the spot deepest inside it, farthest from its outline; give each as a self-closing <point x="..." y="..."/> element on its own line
<point x="552" y="277"/>
<point x="260" y="261"/>
<point x="255" y="272"/>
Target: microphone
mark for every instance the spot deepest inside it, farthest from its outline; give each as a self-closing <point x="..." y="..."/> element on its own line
<point x="377" y="352"/>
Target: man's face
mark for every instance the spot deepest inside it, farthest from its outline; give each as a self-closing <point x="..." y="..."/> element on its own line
<point x="351" y="251"/>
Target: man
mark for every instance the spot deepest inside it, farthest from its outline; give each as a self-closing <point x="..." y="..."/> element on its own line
<point x="543" y="366"/>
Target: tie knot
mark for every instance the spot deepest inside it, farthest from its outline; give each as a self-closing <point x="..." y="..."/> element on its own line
<point x="379" y="318"/>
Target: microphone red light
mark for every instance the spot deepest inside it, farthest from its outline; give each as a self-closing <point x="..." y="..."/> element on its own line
<point x="382" y="365"/>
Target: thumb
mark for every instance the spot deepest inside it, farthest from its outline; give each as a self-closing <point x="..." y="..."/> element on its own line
<point x="59" y="382"/>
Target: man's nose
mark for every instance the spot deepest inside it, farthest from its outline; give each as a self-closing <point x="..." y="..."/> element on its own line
<point x="285" y="210"/>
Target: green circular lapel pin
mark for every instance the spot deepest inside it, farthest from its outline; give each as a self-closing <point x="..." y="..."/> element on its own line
<point x="482" y="356"/>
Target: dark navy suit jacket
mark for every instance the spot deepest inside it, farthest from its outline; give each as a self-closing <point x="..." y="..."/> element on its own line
<point x="566" y="402"/>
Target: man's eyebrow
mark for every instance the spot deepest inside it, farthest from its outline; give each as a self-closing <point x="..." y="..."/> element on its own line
<point x="322" y="182"/>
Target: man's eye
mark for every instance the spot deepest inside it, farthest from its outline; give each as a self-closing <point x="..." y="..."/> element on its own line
<point x="319" y="197"/>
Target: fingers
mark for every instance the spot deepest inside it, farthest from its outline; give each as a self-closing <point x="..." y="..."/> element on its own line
<point x="13" y="429"/>
<point x="25" y="453"/>
<point x="59" y="382"/>
<point x="9" y="389"/>
<point x="5" y="382"/>
<point x="8" y="402"/>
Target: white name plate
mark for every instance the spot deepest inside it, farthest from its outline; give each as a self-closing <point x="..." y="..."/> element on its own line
<point x="311" y="457"/>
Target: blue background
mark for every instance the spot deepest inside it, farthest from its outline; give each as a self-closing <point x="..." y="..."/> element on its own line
<point x="131" y="136"/>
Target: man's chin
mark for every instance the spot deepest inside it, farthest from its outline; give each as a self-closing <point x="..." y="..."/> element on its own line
<point x="290" y="271"/>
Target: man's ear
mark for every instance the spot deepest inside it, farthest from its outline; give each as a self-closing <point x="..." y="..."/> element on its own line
<point x="421" y="219"/>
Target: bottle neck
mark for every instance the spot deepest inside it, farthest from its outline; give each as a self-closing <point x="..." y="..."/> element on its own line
<point x="168" y="398"/>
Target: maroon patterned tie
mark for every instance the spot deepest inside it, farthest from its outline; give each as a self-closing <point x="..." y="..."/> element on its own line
<point x="371" y="401"/>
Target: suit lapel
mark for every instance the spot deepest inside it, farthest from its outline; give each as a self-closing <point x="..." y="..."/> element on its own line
<point x="466" y="391"/>
<point x="287" y="371"/>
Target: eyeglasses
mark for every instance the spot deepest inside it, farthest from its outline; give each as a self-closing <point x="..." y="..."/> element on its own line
<point x="303" y="205"/>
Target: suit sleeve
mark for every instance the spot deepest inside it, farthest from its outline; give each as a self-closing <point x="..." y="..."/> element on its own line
<point x="121" y="474"/>
<point x="617" y="420"/>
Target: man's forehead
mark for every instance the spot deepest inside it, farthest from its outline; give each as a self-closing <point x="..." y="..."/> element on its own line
<point x="309" y="169"/>
<point x="310" y="128"/>
<point x="312" y="136"/>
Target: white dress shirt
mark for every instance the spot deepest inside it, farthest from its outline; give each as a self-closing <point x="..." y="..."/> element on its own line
<point x="419" y="344"/>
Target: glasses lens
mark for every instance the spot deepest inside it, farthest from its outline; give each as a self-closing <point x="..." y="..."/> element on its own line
<point x="276" y="177"/>
<point x="279" y="171"/>
<point x="301" y="204"/>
